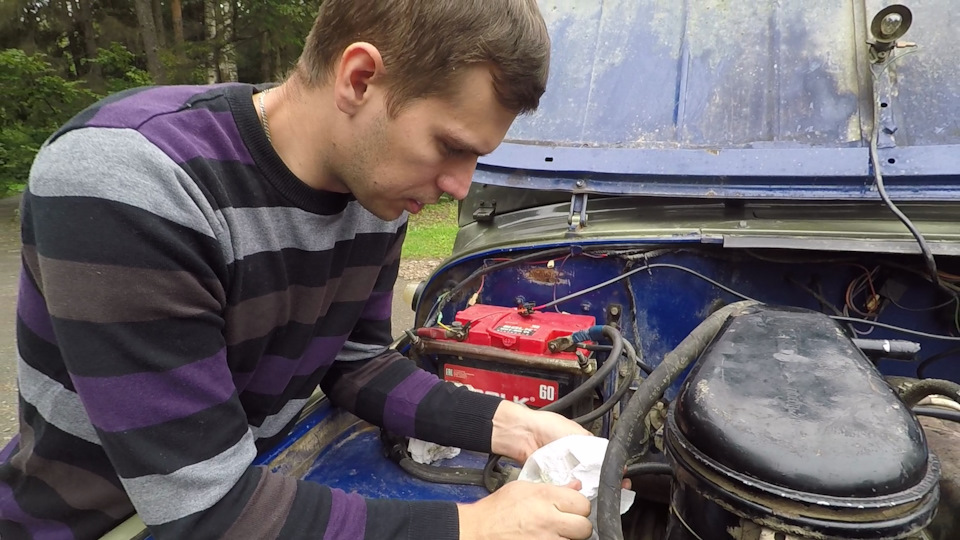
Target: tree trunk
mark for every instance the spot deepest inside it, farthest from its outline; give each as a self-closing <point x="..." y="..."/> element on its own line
<point x="176" y="13"/>
<point x="266" y="67"/>
<point x="210" y="11"/>
<point x="148" y="31"/>
<point x="228" y="56"/>
<point x="90" y="42"/>
<point x="158" y="22"/>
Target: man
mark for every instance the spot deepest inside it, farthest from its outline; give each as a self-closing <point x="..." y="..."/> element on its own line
<point x="198" y="259"/>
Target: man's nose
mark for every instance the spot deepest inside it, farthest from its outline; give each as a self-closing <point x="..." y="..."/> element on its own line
<point x="457" y="178"/>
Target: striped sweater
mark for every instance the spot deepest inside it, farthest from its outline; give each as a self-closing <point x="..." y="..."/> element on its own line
<point x="182" y="294"/>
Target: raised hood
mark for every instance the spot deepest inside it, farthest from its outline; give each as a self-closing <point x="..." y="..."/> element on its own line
<point x="733" y="99"/>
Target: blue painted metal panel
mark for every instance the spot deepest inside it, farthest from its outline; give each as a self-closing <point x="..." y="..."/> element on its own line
<point x="355" y="464"/>
<point x="736" y="100"/>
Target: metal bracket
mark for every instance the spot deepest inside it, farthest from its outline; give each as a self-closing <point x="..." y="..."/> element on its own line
<point x="577" y="219"/>
<point x="885" y="91"/>
<point x="485" y="212"/>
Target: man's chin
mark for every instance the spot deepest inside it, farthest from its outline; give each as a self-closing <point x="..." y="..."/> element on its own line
<point x="386" y="212"/>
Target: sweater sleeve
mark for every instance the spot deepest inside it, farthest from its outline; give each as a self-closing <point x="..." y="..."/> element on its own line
<point x="384" y="388"/>
<point x="124" y="255"/>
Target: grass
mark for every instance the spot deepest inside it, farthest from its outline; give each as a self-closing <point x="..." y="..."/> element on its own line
<point x="430" y="233"/>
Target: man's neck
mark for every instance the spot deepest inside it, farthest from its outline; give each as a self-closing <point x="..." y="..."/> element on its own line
<point x="299" y="131"/>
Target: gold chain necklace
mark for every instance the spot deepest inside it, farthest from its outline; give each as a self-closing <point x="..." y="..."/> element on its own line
<point x="263" y="116"/>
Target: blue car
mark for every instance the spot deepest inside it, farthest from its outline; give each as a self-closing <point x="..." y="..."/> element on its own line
<point x="728" y="241"/>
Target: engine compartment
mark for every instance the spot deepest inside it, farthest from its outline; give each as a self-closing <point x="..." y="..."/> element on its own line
<point x="787" y="423"/>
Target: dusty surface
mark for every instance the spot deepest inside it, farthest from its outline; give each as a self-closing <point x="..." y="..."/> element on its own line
<point x="411" y="272"/>
<point x="9" y="274"/>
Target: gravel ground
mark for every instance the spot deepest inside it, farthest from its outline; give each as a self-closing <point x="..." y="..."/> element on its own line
<point x="9" y="275"/>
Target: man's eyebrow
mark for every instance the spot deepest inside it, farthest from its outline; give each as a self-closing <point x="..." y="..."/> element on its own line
<point x="460" y="144"/>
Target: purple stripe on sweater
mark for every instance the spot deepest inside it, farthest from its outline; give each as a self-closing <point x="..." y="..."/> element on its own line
<point x="348" y="516"/>
<point x="399" y="412"/>
<point x="132" y="111"/>
<point x="273" y="373"/>
<point x="9" y="450"/>
<point x="378" y="306"/>
<point x="145" y="399"/>
<point x="33" y="311"/>
<point x="198" y="133"/>
<point x="38" y="528"/>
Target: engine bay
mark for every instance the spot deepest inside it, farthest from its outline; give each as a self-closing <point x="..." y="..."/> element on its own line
<point x="754" y="394"/>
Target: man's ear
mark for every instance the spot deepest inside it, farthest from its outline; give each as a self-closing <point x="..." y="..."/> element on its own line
<point x="360" y="65"/>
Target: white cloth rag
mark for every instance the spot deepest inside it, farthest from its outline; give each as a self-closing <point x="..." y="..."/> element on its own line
<point x="428" y="452"/>
<point x="573" y="457"/>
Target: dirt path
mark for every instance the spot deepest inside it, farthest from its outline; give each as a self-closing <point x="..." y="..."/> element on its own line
<point x="9" y="276"/>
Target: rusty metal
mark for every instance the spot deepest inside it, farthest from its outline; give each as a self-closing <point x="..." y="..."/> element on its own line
<point x="483" y="352"/>
<point x="542" y="276"/>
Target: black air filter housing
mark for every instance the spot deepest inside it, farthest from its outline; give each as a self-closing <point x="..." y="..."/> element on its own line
<point x="784" y="422"/>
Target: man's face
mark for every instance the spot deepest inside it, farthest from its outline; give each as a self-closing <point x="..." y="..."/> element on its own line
<point x="429" y="148"/>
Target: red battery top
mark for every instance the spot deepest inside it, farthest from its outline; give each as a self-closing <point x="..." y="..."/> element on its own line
<point x="505" y="328"/>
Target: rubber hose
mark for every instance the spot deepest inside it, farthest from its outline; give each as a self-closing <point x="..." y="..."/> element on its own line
<point x="916" y="391"/>
<point x="650" y="468"/>
<point x="443" y="475"/>
<point x="937" y="412"/>
<point x="576" y="394"/>
<point x="620" y="391"/>
<point x="631" y="423"/>
<point x="596" y="379"/>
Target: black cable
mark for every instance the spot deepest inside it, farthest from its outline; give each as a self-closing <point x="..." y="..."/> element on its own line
<point x="927" y="362"/>
<point x="637" y="270"/>
<point x="928" y="259"/>
<point x="620" y="391"/>
<point x="895" y="328"/>
<point x="937" y="412"/>
<point x="743" y="296"/>
<point x="644" y="367"/>
<point x="596" y="379"/>
<point x="648" y="468"/>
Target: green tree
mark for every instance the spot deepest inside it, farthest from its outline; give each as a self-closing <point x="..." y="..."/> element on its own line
<point x="37" y="101"/>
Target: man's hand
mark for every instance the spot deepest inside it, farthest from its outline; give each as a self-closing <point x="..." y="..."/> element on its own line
<point x="519" y="431"/>
<point x="527" y="511"/>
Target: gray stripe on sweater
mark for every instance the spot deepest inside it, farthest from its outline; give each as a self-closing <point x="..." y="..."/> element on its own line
<point x="160" y="498"/>
<point x="274" y="423"/>
<point x="257" y="230"/>
<point x="57" y="405"/>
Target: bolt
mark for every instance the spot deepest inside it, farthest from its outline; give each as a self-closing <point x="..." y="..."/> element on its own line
<point x="581" y="183"/>
<point x="615" y="311"/>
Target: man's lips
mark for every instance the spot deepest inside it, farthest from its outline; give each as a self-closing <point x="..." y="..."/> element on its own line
<point x="414" y="206"/>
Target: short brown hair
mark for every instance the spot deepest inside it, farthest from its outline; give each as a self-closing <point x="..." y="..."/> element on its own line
<point x="425" y="42"/>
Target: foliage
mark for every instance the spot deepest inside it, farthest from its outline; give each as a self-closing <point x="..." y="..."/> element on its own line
<point x="57" y="57"/>
<point x="120" y="69"/>
<point x="36" y="102"/>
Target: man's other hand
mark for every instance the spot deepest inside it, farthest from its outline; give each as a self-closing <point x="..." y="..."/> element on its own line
<point x="527" y="511"/>
<point x="519" y="431"/>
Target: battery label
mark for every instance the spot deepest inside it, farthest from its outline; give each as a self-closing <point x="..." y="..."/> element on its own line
<point x="517" y="330"/>
<point x="518" y="388"/>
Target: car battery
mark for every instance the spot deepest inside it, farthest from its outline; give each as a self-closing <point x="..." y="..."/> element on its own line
<point x="526" y="378"/>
